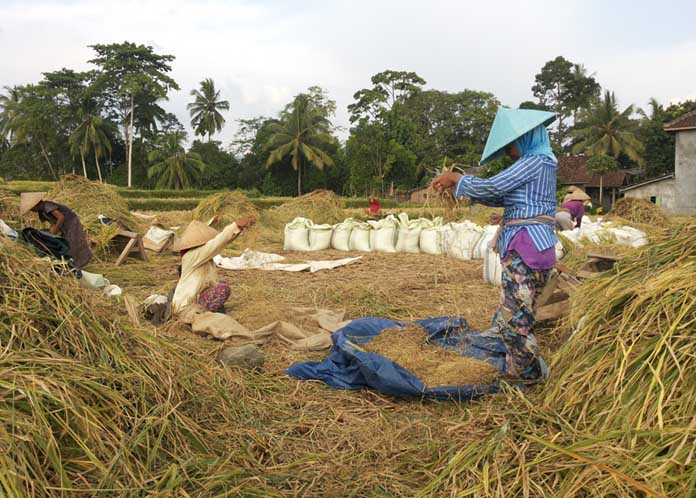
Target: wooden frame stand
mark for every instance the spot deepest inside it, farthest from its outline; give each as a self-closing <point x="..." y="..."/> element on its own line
<point x="132" y="245"/>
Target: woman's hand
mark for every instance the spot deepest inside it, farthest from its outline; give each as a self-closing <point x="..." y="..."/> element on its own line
<point x="54" y="229"/>
<point x="445" y="181"/>
<point x="245" y="222"/>
<point x="496" y="219"/>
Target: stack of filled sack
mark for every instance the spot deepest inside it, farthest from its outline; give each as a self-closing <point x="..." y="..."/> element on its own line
<point x="598" y="232"/>
<point x="463" y="240"/>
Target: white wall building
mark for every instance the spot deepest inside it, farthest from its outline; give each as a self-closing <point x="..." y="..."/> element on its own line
<point x="675" y="193"/>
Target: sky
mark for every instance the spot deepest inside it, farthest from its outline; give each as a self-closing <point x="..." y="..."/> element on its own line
<point x="262" y="53"/>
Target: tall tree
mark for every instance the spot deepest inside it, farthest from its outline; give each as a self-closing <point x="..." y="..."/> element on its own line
<point x="564" y="88"/>
<point x="388" y="88"/>
<point x="659" y="145"/>
<point x="601" y="164"/>
<point x="34" y="123"/>
<point x="221" y="167"/>
<point x="92" y="133"/>
<point x="133" y="74"/>
<point x="206" y="118"/>
<point x="9" y="101"/>
<point x="172" y="166"/>
<point x="303" y="134"/>
<point x="605" y="131"/>
<point x="453" y="125"/>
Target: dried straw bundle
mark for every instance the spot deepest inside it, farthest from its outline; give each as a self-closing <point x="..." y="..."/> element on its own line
<point x="9" y="205"/>
<point x="640" y="211"/>
<point x="618" y="415"/>
<point x="229" y="206"/>
<point x="91" y="405"/>
<point x="89" y="199"/>
<point x="320" y="206"/>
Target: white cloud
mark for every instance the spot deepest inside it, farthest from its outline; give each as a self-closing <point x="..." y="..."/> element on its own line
<point x="262" y="53"/>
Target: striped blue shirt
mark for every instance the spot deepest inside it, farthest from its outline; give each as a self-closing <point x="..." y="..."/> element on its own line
<point x="526" y="189"/>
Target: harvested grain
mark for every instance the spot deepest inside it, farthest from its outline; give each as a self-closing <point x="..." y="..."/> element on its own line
<point x="616" y="417"/>
<point x="639" y="211"/>
<point x="433" y="365"/>
<point x="89" y="199"/>
<point x="320" y="206"/>
<point x="9" y="205"/>
<point x="229" y="206"/>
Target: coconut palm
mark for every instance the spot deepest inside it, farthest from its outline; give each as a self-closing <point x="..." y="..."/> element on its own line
<point x="205" y="109"/>
<point x="91" y="133"/>
<point x="173" y="167"/>
<point x="8" y="110"/>
<point x="657" y="111"/>
<point x="603" y="130"/>
<point x="302" y="134"/>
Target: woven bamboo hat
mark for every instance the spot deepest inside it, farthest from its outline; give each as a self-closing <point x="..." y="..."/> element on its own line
<point x="30" y="199"/>
<point x="578" y="195"/>
<point x="195" y="235"/>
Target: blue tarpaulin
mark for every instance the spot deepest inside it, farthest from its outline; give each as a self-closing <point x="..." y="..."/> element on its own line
<point x="350" y="367"/>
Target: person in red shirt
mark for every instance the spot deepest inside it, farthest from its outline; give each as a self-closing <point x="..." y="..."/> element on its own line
<point x="375" y="210"/>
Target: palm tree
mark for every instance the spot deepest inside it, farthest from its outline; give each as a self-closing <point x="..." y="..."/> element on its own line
<point x="205" y="109"/>
<point x="173" y="167"/>
<point x="8" y="110"/>
<point x="657" y="111"/>
<point x="605" y="131"/>
<point x="302" y="134"/>
<point x="91" y="133"/>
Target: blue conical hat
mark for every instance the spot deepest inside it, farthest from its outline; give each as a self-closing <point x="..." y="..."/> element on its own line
<point x="511" y="124"/>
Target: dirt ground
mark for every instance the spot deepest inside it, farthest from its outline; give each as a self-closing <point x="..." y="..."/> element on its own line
<point x="398" y="286"/>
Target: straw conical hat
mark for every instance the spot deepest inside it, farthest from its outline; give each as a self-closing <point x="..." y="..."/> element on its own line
<point x="511" y="124"/>
<point x="30" y="199"/>
<point x="195" y="235"/>
<point x="578" y="195"/>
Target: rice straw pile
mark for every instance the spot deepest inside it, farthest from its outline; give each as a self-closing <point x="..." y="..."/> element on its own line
<point x="91" y="405"/>
<point x="89" y="199"/>
<point x="433" y="365"/>
<point x="640" y="211"/>
<point x="320" y="206"/>
<point x="618" y="415"/>
<point x="9" y="206"/>
<point x="229" y="206"/>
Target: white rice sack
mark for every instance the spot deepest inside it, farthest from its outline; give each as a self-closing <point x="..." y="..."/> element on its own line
<point x="492" y="268"/>
<point x="559" y="250"/>
<point x="320" y="237"/>
<point x="633" y="237"/>
<point x="571" y="235"/>
<point x="340" y="238"/>
<point x="360" y="238"/>
<point x="408" y="237"/>
<point x="383" y="235"/>
<point x="460" y="239"/>
<point x="590" y="232"/>
<point x="297" y="235"/>
<point x="430" y="240"/>
<point x="484" y="242"/>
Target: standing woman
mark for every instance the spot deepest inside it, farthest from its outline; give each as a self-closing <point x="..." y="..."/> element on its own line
<point x="64" y="222"/>
<point x="526" y="238"/>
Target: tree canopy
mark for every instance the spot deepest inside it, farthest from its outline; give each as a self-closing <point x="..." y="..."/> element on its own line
<point x="109" y="122"/>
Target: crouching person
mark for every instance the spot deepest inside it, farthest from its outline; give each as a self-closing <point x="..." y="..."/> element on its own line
<point x="199" y="297"/>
